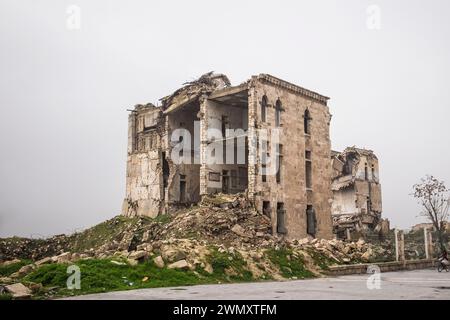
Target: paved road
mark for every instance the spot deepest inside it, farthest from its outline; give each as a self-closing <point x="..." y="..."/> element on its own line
<point x="418" y="284"/>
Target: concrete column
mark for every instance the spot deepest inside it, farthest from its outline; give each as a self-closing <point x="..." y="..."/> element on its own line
<point x="131" y="132"/>
<point x="165" y="146"/>
<point x="396" y="245"/>
<point x="402" y="246"/>
<point x="349" y="235"/>
<point x="252" y="144"/>
<point x="203" y="145"/>
<point x="425" y="239"/>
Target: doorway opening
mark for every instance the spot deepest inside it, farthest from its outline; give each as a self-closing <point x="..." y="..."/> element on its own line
<point x="225" y="181"/>
<point x="182" y="188"/>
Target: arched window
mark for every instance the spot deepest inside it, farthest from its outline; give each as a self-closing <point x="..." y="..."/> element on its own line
<point x="366" y="172"/>
<point x="278" y="113"/>
<point x="307" y="122"/>
<point x="263" y="108"/>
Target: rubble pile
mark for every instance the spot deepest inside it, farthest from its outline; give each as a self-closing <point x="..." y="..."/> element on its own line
<point x="34" y="249"/>
<point x="187" y="239"/>
<point x="360" y="224"/>
<point x="208" y="82"/>
<point x="221" y="220"/>
<point x="226" y="220"/>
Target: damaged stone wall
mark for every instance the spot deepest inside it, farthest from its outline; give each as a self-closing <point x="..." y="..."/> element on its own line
<point x="296" y="209"/>
<point x="292" y="191"/>
<point x="357" y="203"/>
<point x="144" y="189"/>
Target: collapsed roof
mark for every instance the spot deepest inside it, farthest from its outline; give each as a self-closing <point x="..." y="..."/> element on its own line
<point x="192" y="90"/>
<point x="343" y="162"/>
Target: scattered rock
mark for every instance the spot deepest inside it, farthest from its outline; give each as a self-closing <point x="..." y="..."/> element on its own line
<point x="44" y="261"/>
<point x="159" y="262"/>
<point x="173" y="255"/>
<point x="132" y="262"/>
<point x="35" y="287"/>
<point x="6" y="280"/>
<point x="182" y="264"/>
<point x="23" y="271"/>
<point x="62" y="258"/>
<point x="138" y="255"/>
<point x="10" y="262"/>
<point x="18" y="291"/>
<point x="256" y="255"/>
<point x="145" y="247"/>
<point x="226" y="222"/>
<point x="238" y="230"/>
<point x="208" y="268"/>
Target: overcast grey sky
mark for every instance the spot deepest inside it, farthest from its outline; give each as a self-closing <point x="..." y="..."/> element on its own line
<point x="64" y="92"/>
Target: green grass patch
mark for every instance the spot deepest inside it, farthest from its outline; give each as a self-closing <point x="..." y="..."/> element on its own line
<point x="101" y="233"/>
<point x="294" y="266"/>
<point x="100" y="275"/>
<point x="6" y="271"/>
<point x="223" y="262"/>
<point x="5" y="296"/>
<point x="163" y="218"/>
<point x="321" y="260"/>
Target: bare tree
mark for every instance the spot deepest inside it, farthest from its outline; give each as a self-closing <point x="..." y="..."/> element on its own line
<point x="434" y="197"/>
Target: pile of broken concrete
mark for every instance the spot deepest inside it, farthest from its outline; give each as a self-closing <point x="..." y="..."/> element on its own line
<point x="223" y="223"/>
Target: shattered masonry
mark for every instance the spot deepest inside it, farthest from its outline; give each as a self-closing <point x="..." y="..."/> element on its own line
<point x="298" y="199"/>
<point x="356" y="193"/>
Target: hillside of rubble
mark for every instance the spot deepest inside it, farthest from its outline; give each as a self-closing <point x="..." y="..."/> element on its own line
<point x="222" y="239"/>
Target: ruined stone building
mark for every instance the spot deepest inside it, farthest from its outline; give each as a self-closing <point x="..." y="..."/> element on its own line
<point x="270" y="119"/>
<point x="356" y="190"/>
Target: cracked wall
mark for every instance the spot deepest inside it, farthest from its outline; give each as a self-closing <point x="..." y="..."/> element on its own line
<point x="155" y="182"/>
<point x="144" y="188"/>
<point x="357" y="202"/>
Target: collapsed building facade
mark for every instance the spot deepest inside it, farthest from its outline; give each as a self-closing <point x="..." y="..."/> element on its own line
<point x="275" y="124"/>
<point x="357" y="203"/>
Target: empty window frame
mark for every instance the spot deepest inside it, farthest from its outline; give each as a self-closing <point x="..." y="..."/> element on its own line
<point x="366" y="172"/>
<point x="243" y="176"/>
<point x="281" y="216"/>
<point x="278" y="108"/>
<point x="308" y="170"/>
<point x="311" y="222"/>
<point x="307" y="122"/>
<point x="264" y="160"/>
<point x="234" y="179"/>
<point x="279" y="153"/>
<point x="266" y="209"/>
<point x="263" y="108"/>
<point x="214" y="176"/>
<point x="225" y="126"/>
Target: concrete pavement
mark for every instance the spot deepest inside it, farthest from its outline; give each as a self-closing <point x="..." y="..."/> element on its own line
<point x="417" y="284"/>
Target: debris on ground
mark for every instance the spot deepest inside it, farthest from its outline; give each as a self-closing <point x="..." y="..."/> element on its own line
<point x="194" y="238"/>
